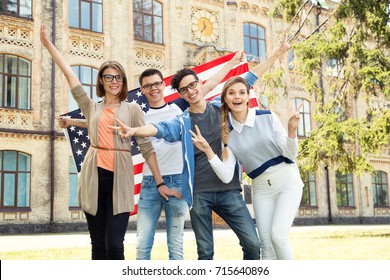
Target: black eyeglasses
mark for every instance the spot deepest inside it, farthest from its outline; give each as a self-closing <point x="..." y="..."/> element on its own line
<point x="155" y="84"/>
<point x="110" y="78"/>
<point x="192" y="85"/>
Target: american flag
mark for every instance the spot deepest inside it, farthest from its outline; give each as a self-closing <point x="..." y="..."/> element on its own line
<point x="79" y="140"/>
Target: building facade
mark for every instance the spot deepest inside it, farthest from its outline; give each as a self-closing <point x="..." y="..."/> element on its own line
<point x="38" y="181"/>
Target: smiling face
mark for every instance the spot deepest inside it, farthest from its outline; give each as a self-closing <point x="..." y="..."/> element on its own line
<point x="112" y="88"/>
<point x="237" y="98"/>
<point x="115" y="84"/>
<point x="153" y="88"/>
<point x="190" y="93"/>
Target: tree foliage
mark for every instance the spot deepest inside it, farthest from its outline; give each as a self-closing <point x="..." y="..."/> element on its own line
<point x="355" y="41"/>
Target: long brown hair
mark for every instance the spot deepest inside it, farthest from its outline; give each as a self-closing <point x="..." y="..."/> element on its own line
<point x="100" y="92"/>
<point x="225" y="111"/>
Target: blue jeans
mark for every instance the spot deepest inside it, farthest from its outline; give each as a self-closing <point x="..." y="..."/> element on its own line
<point x="230" y="206"/>
<point x="150" y="205"/>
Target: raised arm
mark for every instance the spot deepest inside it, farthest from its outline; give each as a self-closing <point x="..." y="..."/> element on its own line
<point x="59" y="59"/>
<point x="65" y="122"/>
<point x="214" y="80"/>
<point x="266" y="64"/>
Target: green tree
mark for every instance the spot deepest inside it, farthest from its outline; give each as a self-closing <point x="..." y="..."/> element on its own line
<point x="355" y="41"/>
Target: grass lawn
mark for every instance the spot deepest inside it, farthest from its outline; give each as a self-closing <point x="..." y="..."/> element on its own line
<point x="363" y="243"/>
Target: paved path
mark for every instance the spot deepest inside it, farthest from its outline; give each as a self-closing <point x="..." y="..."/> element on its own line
<point x="65" y="240"/>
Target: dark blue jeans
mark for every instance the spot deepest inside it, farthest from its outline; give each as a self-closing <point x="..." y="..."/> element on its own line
<point x="107" y="231"/>
<point x="230" y="206"/>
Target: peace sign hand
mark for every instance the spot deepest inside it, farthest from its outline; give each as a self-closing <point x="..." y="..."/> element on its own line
<point x="293" y="122"/>
<point x="123" y="130"/>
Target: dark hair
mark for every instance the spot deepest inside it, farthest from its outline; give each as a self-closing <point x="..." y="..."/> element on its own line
<point x="180" y="74"/>
<point x="100" y="92"/>
<point x="149" y="72"/>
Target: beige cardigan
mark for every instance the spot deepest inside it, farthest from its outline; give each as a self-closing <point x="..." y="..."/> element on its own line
<point x="123" y="191"/>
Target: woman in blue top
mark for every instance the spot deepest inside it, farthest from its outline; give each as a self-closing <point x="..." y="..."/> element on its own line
<point x="259" y="141"/>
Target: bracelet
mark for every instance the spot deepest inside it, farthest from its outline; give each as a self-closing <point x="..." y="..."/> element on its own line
<point x="161" y="184"/>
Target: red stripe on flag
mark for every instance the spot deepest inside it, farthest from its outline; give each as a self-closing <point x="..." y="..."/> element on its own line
<point x="253" y="103"/>
<point x="172" y="97"/>
<point x="213" y="63"/>
<point x="135" y="210"/>
<point x="137" y="188"/>
<point x="138" y="168"/>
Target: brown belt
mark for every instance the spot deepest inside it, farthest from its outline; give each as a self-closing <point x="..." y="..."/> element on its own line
<point x="109" y="149"/>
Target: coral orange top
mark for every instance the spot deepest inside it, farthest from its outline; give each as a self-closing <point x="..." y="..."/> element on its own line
<point x="105" y="159"/>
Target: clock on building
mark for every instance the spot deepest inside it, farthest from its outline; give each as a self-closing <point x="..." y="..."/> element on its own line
<point x="205" y="26"/>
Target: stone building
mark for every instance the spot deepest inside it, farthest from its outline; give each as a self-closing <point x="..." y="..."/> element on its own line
<point x="38" y="183"/>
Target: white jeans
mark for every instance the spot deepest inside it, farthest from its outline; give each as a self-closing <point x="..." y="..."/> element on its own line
<point x="276" y="197"/>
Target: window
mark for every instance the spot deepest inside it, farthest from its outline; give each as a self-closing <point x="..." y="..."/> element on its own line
<point x="334" y="67"/>
<point x="309" y="197"/>
<point x="148" y="21"/>
<point x="254" y="42"/>
<point x="14" y="179"/>
<point x="15" y="82"/>
<point x="379" y="189"/>
<point x="86" y="14"/>
<point x="87" y="76"/>
<point x="291" y="57"/>
<point x="19" y="8"/>
<point x="304" y="127"/>
<point x="73" y="180"/>
<point x="344" y="186"/>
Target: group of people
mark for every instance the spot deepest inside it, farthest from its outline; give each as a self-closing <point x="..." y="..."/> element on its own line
<point x="192" y="159"/>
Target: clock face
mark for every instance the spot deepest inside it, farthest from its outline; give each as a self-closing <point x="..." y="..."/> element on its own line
<point x="205" y="26"/>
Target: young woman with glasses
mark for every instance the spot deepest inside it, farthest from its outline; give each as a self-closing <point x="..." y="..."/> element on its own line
<point x="106" y="182"/>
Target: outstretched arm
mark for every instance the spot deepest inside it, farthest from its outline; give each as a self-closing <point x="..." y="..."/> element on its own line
<point x="265" y="65"/>
<point x="65" y="122"/>
<point x="223" y="169"/>
<point x="217" y="78"/>
<point x="143" y="131"/>
<point x="59" y="59"/>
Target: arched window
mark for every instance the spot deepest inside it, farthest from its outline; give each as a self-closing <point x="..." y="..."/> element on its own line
<point x="254" y="42"/>
<point x="309" y="196"/>
<point x="86" y="14"/>
<point x="87" y="76"/>
<point x="148" y="21"/>
<point x="380" y="189"/>
<point x="304" y="127"/>
<point x="21" y="8"/>
<point x="344" y="188"/>
<point x="15" y="174"/>
<point x="15" y="82"/>
<point x="73" y="181"/>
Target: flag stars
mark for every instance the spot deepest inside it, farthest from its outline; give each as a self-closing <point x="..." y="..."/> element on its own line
<point x="80" y="132"/>
<point x="79" y="152"/>
<point x="84" y="145"/>
<point x="139" y="93"/>
<point x="72" y="128"/>
<point x="75" y="140"/>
